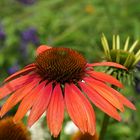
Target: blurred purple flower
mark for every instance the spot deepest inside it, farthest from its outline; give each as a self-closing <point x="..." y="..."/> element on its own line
<point x="137" y="78"/>
<point x="13" y="69"/>
<point x="27" y="2"/>
<point x="138" y="65"/>
<point x="2" y="34"/>
<point x="23" y="49"/>
<point x="30" y="35"/>
<point x="137" y="85"/>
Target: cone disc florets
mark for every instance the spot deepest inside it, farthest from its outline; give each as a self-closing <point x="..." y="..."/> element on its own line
<point x="61" y="65"/>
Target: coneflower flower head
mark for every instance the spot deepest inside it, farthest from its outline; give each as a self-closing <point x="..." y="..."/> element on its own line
<point x="126" y="55"/>
<point x="86" y="136"/>
<point x="11" y="131"/>
<point x="59" y="78"/>
<point x="62" y="65"/>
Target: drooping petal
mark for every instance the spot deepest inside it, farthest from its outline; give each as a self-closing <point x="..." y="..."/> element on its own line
<point x="105" y="78"/>
<point x="99" y="101"/>
<point x="55" y="113"/>
<point x="40" y="105"/>
<point x="17" y="96"/>
<point x="79" y="109"/>
<point x="112" y="64"/>
<point x="123" y="100"/>
<point x="21" y="72"/>
<point x="42" y="48"/>
<point x="30" y="65"/>
<point x="91" y="114"/>
<point x="28" y="101"/>
<point x="13" y="85"/>
<point x="107" y="95"/>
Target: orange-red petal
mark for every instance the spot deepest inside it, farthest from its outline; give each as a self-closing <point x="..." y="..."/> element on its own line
<point x="40" y="105"/>
<point x="28" y="102"/>
<point x="112" y="64"/>
<point x="21" y="72"/>
<point x="16" y="84"/>
<point x="79" y="109"/>
<point x="42" y="48"/>
<point x="122" y="99"/>
<point x="107" y="95"/>
<point x="99" y="101"/>
<point x="55" y="112"/>
<point x="30" y="65"/>
<point x="17" y="96"/>
<point x="105" y="78"/>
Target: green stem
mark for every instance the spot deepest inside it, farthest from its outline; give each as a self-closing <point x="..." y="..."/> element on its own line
<point x="55" y="138"/>
<point x="104" y="127"/>
<point x="106" y="119"/>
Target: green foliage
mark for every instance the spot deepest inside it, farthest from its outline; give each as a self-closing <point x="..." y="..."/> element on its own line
<point x="74" y="24"/>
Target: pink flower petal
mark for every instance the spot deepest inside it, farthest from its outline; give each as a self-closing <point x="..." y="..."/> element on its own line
<point x="42" y="48"/>
<point x="55" y="113"/>
<point x="17" y="96"/>
<point x="28" y="102"/>
<point x="91" y="114"/>
<point x="79" y="109"/>
<point x="30" y="65"/>
<point x="40" y="105"/>
<point x="123" y="99"/>
<point x="13" y="85"/>
<point x="107" y="95"/>
<point x="107" y="64"/>
<point x="105" y="78"/>
<point x="21" y="72"/>
<point x="99" y="101"/>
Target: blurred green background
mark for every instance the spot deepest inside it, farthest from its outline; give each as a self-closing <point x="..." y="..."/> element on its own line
<point x="25" y="24"/>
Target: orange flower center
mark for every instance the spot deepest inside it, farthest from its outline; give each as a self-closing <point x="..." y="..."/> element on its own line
<point x="61" y="65"/>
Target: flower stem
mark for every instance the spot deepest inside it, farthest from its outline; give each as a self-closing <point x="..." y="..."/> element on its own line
<point x="55" y="138"/>
<point x="104" y="127"/>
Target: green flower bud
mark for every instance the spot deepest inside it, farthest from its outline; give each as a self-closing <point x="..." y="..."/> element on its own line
<point x="126" y="55"/>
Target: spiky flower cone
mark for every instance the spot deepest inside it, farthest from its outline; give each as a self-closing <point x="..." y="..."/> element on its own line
<point x="125" y="55"/>
<point x="86" y="136"/>
<point x="11" y="131"/>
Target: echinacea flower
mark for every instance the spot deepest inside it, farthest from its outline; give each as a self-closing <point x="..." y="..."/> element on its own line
<point x="125" y="55"/>
<point x="11" y="131"/>
<point x="62" y="78"/>
<point x="86" y="136"/>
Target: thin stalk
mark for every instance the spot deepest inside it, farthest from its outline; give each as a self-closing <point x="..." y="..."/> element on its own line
<point x="106" y="121"/>
<point x="104" y="127"/>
